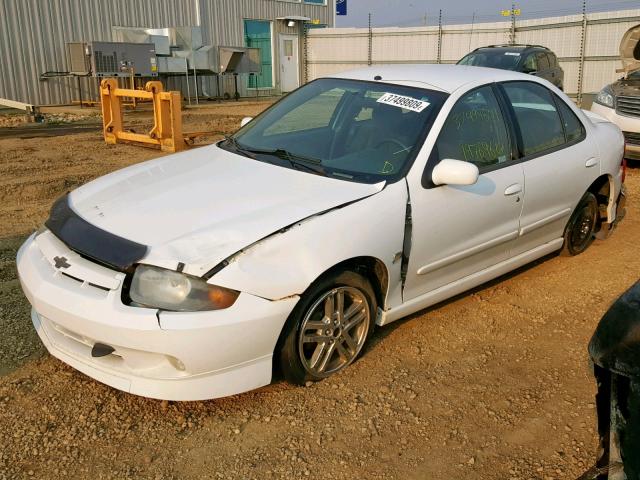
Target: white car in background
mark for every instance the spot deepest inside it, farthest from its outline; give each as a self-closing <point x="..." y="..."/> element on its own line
<point x="619" y="102"/>
<point x="352" y="202"/>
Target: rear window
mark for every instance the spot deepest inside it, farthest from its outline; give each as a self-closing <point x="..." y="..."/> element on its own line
<point x="573" y="128"/>
<point x="505" y="60"/>
<point x="539" y="121"/>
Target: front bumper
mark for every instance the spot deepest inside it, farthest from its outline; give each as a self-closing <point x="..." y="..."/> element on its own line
<point x="165" y="355"/>
<point x="626" y="124"/>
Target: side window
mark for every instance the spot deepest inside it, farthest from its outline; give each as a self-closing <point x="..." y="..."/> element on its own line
<point x="543" y="61"/>
<point x="553" y="61"/>
<point x="573" y="128"/>
<point x="537" y="117"/>
<point x="530" y="64"/>
<point x="475" y="131"/>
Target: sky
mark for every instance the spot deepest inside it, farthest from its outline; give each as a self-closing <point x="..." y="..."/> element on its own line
<point x="405" y="13"/>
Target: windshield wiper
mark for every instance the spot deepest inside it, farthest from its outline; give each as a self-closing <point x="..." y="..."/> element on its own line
<point x="234" y="143"/>
<point x="298" y="162"/>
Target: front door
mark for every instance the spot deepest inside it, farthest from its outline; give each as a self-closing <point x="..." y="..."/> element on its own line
<point x="289" y="79"/>
<point x="459" y="230"/>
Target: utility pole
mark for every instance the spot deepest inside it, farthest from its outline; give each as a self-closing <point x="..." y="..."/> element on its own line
<point x="424" y="19"/>
<point x="438" y="60"/>
<point x="335" y="12"/>
<point x="583" y="41"/>
<point x="473" y="21"/>
<point x="512" y="40"/>
<point x="305" y="33"/>
<point x="370" y="41"/>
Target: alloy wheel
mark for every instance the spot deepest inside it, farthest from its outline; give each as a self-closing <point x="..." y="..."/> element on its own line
<point x="334" y="330"/>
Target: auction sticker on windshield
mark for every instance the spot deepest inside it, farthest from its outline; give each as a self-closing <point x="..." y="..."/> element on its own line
<point x="401" y="101"/>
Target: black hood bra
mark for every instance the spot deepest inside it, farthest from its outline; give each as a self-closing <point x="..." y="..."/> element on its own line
<point x="90" y="241"/>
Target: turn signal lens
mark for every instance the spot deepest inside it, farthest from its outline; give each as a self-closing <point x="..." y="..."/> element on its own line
<point x="222" y="297"/>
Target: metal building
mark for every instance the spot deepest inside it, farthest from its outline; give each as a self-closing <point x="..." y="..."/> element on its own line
<point x="34" y="36"/>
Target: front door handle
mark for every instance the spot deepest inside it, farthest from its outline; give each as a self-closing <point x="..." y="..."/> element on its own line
<point x="592" y="162"/>
<point x="513" y="189"/>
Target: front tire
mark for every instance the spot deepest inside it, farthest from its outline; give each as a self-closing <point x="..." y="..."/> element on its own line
<point x="328" y="328"/>
<point x="580" y="231"/>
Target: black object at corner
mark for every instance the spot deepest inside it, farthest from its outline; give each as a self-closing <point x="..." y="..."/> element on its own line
<point x="615" y="351"/>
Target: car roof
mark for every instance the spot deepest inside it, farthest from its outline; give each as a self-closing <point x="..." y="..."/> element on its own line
<point x="446" y="78"/>
<point x="511" y="48"/>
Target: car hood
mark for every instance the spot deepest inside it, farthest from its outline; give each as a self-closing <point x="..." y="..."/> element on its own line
<point x="201" y="206"/>
<point x="628" y="87"/>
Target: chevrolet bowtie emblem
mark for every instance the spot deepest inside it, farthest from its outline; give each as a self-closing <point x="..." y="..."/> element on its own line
<point x="61" y="262"/>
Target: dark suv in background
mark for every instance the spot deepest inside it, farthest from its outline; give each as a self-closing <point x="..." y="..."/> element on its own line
<point x="533" y="59"/>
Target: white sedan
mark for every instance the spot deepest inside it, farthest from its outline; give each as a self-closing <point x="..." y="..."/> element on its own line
<point x="352" y="202"/>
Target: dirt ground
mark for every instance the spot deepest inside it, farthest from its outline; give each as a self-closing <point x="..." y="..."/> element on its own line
<point x="494" y="384"/>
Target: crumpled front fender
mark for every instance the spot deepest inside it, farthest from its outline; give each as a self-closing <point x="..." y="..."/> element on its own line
<point x="287" y="262"/>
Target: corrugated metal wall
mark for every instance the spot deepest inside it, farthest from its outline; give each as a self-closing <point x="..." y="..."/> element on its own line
<point x="34" y="33"/>
<point x="335" y="50"/>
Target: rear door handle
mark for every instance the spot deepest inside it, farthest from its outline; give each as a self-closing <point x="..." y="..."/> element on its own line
<point x="592" y="162"/>
<point x="513" y="189"/>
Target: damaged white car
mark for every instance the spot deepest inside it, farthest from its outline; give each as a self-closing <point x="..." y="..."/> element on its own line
<point x="352" y="202"/>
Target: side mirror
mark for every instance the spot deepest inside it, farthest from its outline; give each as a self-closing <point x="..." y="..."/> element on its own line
<point x="245" y="120"/>
<point x="454" y="172"/>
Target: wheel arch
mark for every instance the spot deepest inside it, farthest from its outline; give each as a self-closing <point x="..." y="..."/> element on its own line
<point x="372" y="268"/>
<point x="603" y="188"/>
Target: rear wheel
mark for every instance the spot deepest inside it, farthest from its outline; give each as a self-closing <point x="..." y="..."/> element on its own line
<point x="328" y="328"/>
<point x="579" y="232"/>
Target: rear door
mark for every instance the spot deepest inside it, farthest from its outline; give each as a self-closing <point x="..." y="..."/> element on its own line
<point x="559" y="162"/>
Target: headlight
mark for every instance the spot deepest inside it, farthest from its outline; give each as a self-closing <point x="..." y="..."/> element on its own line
<point x="605" y="97"/>
<point x="168" y="290"/>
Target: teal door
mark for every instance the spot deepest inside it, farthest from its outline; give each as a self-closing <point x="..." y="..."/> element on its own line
<point x="257" y="34"/>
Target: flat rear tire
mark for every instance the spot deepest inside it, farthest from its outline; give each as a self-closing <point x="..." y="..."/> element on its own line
<point x="580" y="230"/>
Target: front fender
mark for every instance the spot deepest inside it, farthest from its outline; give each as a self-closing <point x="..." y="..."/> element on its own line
<point x="286" y="263"/>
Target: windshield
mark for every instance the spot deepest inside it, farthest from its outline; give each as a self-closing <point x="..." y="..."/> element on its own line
<point x="350" y="129"/>
<point x="505" y="60"/>
<point x="634" y="75"/>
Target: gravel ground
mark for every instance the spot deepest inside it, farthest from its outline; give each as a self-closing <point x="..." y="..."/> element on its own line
<point x="494" y="384"/>
<point x="20" y="119"/>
